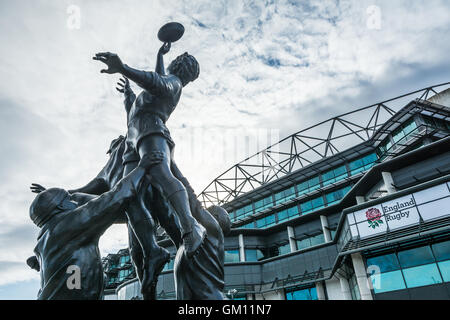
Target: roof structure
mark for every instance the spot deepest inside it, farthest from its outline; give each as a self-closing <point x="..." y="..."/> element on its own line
<point x="307" y="146"/>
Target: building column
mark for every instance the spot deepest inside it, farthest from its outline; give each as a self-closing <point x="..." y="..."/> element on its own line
<point x="345" y="288"/>
<point x="320" y="291"/>
<point x="241" y="248"/>
<point x="291" y="236"/>
<point x="326" y="231"/>
<point x="361" y="276"/>
<point x="388" y="182"/>
<point x="360" y="199"/>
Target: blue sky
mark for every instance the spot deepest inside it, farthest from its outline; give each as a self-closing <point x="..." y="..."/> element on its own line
<point x="265" y="65"/>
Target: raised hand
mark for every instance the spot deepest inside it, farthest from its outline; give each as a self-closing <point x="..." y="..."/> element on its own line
<point x="124" y="85"/>
<point x="37" y="188"/>
<point x="165" y="48"/>
<point x="112" y="60"/>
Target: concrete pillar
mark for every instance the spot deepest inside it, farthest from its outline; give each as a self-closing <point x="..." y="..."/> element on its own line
<point x="361" y="276"/>
<point x="345" y="288"/>
<point x="241" y="248"/>
<point x="320" y="291"/>
<point x="388" y="182"/>
<point x="326" y="231"/>
<point x="291" y="236"/>
<point x="360" y="199"/>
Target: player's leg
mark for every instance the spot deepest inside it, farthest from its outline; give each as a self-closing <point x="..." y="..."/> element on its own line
<point x="136" y="253"/>
<point x="144" y="228"/>
<point x="167" y="219"/>
<point x="161" y="177"/>
<point x="194" y="203"/>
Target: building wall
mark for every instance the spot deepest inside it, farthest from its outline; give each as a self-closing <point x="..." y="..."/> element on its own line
<point x="333" y="288"/>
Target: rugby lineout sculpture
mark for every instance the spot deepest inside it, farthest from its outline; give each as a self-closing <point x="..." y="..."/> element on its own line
<point x="140" y="184"/>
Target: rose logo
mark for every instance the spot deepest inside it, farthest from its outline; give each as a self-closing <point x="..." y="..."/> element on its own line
<point x="373" y="216"/>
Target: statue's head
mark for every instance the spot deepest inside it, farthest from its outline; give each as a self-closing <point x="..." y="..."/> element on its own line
<point x="222" y="217"/>
<point x="185" y="67"/>
<point x="49" y="203"/>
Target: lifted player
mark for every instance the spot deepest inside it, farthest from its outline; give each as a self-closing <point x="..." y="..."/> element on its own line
<point x="147" y="133"/>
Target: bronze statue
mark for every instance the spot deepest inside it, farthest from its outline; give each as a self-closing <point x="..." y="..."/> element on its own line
<point x="70" y="230"/>
<point x="147" y="132"/>
<point x="202" y="276"/>
<point x="130" y="188"/>
<point x="153" y="202"/>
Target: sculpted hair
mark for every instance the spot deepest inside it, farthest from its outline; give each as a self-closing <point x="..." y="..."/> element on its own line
<point x="185" y="67"/>
<point x="222" y="217"/>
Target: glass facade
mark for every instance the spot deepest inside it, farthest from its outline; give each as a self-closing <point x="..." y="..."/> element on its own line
<point x="293" y="212"/>
<point x="263" y="204"/>
<point x="254" y="255"/>
<point x="308" y="186"/>
<point x="287" y="214"/>
<point x="312" y="205"/>
<point x="266" y="222"/>
<point x="334" y="175"/>
<point x="398" y="135"/>
<point x="422" y="266"/>
<point x="169" y="265"/>
<point x="335" y="196"/>
<point x="362" y="164"/>
<point x="284" y="195"/>
<point x="310" y="241"/>
<point x="232" y="256"/>
<point x="301" y="294"/>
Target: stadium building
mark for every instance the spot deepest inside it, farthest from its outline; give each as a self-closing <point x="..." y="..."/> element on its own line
<point x="355" y="207"/>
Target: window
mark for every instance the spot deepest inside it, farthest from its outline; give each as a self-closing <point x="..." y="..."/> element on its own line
<point x="232" y="256"/>
<point x="386" y="263"/>
<point x="284" y="249"/>
<point x="263" y="204"/>
<point x="362" y="164"/>
<point x="301" y="294"/>
<point x="422" y="266"/>
<point x="123" y="260"/>
<point x="422" y="275"/>
<point x="287" y="214"/>
<point x="241" y="213"/>
<point x="384" y="147"/>
<point x="284" y="195"/>
<point x="336" y="196"/>
<point x="415" y="257"/>
<point x="444" y="267"/>
<point x="250" y="225"/>
<point x="404" y="130"/>
<point x="266" y="222"/>
<point x="310" y="241"/>
<point x="308" y="186"/>
<point x="441" y="250"/>
<point x="311" y="205"/>
<point x="124" y="273"/>
<point x="389" y="281"/>
<point x="254" y="255"/>
<point x="334" y="175"/>
<point x="169" y="265"/>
